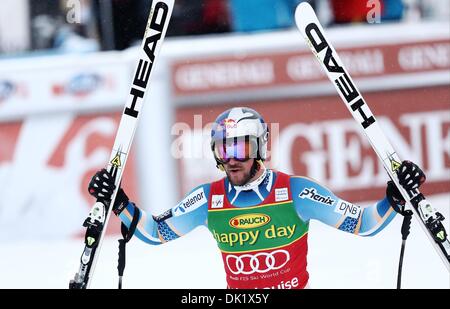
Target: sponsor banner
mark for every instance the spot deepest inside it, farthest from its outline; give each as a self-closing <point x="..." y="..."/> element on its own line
<point x="318" y="138"/>
<point x="260" y="70"/>
<point x="55" y="83"/>
<point x="45" y="167"/>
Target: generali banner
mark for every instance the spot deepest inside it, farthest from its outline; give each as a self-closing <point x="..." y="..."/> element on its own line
<point x="316" y="137"/>
<point x="262" y="70"/>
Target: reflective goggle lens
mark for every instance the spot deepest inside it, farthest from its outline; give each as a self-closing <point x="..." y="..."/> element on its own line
<point x="239" y="149"/>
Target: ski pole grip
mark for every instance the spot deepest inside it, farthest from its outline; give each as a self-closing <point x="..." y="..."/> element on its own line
<point x="407" y="215"/>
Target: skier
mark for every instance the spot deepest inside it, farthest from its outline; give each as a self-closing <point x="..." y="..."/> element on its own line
<point x="258" y="217"/>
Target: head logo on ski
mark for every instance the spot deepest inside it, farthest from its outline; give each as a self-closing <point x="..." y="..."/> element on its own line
<point x="343" y="82"/>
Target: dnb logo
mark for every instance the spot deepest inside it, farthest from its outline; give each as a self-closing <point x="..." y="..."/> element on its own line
<point x="82" y="85"/>
<point x="261" y="262"/>
<point x="249" y="221"/>
<point x="6" y="90"/>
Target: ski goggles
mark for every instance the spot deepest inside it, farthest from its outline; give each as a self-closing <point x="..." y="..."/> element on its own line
<point x="238" y="148"/>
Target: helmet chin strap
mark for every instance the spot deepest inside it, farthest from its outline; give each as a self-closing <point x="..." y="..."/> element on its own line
<point x="255" y="183"/>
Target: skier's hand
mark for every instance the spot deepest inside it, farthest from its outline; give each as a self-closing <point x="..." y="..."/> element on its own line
<point x="102" y="188"/>
<point x="410" y="177"/>
<point x="394" y="197"/>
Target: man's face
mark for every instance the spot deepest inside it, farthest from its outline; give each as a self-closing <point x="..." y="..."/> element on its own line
<point x="238" y="172"/>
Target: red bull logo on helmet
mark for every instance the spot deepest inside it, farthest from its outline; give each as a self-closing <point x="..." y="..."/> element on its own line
<point x="249" y="221"/>
<point x="229" y="123"/>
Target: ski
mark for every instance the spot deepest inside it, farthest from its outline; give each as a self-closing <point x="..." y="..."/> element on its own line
<point x="430" y="220"/>
<point x="98" y="218"/>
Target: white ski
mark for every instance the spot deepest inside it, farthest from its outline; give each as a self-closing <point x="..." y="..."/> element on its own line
<point x="98" y="218"/>
<point x="314" y="35"/>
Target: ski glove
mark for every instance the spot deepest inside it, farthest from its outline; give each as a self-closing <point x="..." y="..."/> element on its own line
<point x="410" y="177"/>
<point x="102" y="187"/>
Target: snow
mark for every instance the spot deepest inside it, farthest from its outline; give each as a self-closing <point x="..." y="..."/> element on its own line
<point x="336" y="260"/>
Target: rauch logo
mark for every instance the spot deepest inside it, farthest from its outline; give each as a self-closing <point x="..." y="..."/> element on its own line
<point x="249" y="221"/>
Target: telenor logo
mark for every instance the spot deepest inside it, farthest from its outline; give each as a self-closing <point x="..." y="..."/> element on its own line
<point x="249" y="221"/>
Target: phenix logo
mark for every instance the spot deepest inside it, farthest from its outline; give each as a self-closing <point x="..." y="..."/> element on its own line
<point x="313" y="195"/>
<point x="190" y="203"/>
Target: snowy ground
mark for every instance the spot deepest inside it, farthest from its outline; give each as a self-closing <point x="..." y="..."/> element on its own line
<point x="336" y="260"/>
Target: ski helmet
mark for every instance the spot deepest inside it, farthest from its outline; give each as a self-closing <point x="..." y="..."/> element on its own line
<point x="239" y="133"/>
